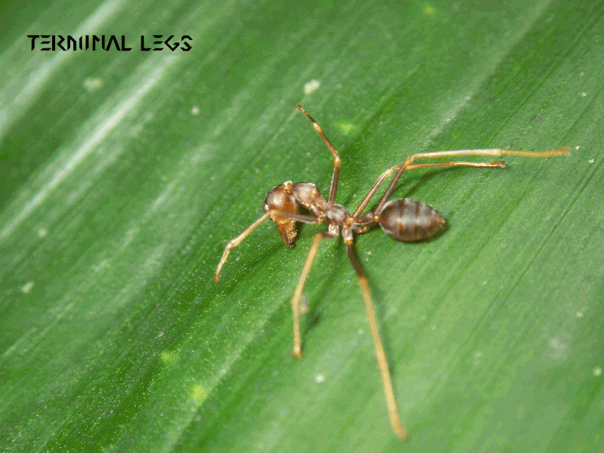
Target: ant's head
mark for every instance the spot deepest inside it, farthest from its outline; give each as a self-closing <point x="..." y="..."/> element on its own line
<point x="282" y="198"/>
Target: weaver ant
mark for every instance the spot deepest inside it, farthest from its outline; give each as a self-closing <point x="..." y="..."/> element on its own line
<point x="403" y="219"/>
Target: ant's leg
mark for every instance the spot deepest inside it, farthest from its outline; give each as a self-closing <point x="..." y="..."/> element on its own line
<point x="239" y="239"/>
<point x="395" y="421"/>
<point x="314" y="248"/>
<point x="486" y="152"/>
<point x="336" y="158"/>
<point x="365" y="201"/>
<point x="463" y="152"/>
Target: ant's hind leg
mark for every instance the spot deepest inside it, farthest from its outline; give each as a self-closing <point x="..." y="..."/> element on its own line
<point x="485" y="152"/>
<point x="409" y="164"/>
<point x="386" y="173"/>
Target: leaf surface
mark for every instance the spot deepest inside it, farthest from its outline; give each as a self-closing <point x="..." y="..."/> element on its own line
<point x="126" y="173"/>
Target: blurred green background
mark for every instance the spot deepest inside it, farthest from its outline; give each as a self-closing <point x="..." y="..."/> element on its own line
<point x="124" y="174"/>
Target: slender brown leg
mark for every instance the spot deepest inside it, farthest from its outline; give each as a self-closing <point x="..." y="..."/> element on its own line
<point x="312" y="253"/>
<point x="487" y="152"/>
<point x="409" y="165"/>
<point x="365" y="201"/>
<point x="458" y="153"/>
<point x="395" y="421"/>
<point x="239" y="239"/>
<point x="336" y="158"/>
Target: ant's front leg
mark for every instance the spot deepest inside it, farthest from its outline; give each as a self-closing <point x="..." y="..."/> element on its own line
<point x="336" y="157"/>
<point x="239" y="239"/>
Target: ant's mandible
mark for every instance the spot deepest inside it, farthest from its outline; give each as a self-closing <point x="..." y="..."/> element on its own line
<point x="403" y="219"/>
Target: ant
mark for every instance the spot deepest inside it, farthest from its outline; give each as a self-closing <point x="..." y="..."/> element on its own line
<point x="403" y="219"/>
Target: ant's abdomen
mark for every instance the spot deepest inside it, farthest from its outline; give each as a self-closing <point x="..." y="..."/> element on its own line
<point x="410" y="220"/>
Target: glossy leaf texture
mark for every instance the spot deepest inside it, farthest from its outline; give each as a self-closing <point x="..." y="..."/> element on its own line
<point x="125" y="173"/>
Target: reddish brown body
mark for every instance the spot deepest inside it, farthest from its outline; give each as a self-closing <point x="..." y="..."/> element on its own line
<point x="403" y="219"/>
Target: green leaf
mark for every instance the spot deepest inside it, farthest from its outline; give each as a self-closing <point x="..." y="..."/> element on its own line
<point x="126" y="173"/>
